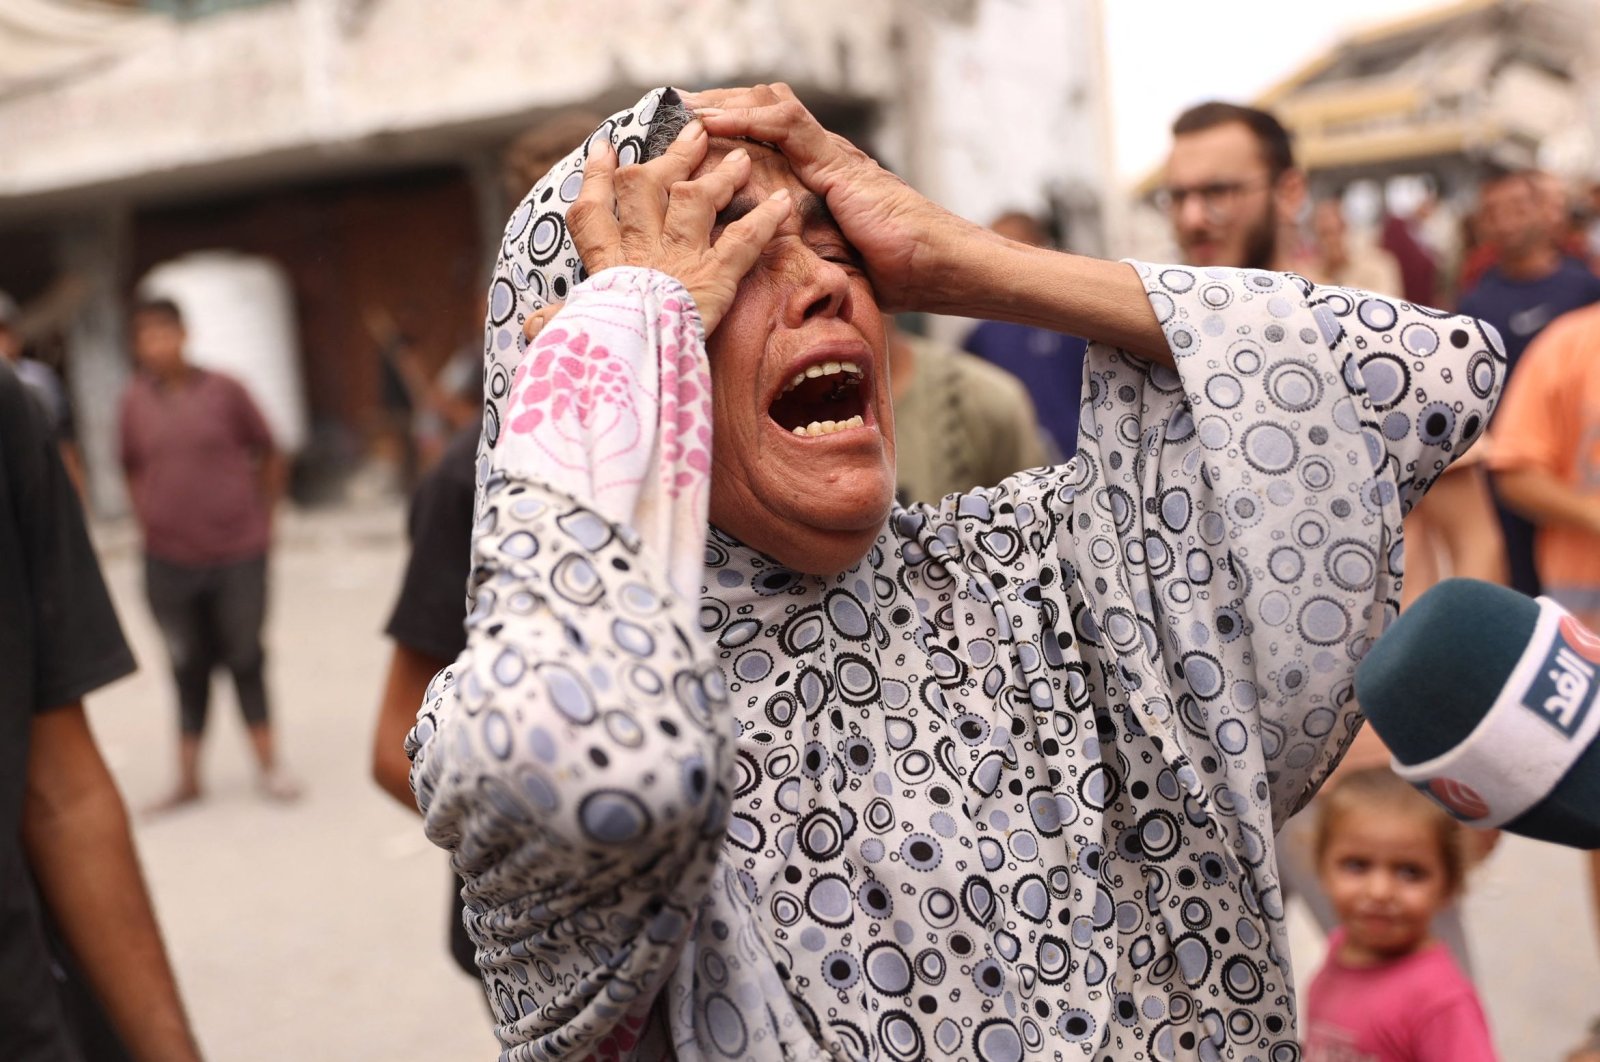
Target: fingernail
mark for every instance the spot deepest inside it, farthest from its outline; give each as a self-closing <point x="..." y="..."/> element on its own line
<point x="781" y="193"/>
<point x="692" y="130"/>
<point x="709" y="112"/>
<point x="738" y="155"/>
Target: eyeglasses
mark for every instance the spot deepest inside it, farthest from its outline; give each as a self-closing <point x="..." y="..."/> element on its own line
<point x="1218" y="200"/>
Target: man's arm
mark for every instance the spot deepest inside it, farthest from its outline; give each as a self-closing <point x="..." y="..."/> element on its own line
<point x="410" y="671"/>
<point x="75" y="830"/>
<point x="1544" y="498"/>
<point x="253" y="431"/>
<point x="274" y="477"/>
<point x="1459" y="507"/>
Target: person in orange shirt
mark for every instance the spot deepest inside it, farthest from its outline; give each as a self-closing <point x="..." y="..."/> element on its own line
<point x="1546" y="462"/>
<point x="1547" y="456"/>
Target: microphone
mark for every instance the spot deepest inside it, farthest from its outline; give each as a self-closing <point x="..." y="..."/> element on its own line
<point x="1488" y="701"/>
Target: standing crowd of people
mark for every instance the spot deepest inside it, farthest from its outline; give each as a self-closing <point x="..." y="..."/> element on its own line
<point x="1380" y="867"/>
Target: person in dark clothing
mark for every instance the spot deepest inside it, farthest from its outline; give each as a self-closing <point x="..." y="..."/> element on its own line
<point x="66" y="853"/>
<point x="46" y="386"/>
<point x="1531" y="285"/>
<point x="204" y="477"/>
<point x="426" y="626"/>
<point x="1533" y="282"/>
<point x="1049" y="364"/>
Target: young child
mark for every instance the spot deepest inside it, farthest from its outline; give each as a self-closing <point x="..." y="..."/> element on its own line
<point x="1390" y="860"/>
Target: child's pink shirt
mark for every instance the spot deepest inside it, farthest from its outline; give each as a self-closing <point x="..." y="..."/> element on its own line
<point x="1417" y="1009"/>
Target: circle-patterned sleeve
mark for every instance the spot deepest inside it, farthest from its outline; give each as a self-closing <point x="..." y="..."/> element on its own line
<point x="576" y="762"/>
<point x="1242" y="532"/>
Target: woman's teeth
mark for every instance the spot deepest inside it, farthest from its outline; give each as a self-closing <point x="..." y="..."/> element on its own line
<point x="827" y="368"/>
<point x="828" y="427"/>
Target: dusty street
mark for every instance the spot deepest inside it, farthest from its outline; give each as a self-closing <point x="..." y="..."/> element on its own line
<point x="316" y="931"/>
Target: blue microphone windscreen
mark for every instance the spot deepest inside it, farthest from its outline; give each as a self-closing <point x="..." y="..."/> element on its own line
<point x="1437" y="670"/>
<point x="1433" y="677"/>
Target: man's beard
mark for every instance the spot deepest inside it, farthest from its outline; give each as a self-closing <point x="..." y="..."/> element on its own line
<point x="1261" y="242"/>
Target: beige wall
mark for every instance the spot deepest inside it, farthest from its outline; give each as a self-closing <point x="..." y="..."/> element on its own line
<point x="322" y="75"/>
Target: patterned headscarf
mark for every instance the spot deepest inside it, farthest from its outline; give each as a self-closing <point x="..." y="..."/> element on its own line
<point x="538" y="264"/>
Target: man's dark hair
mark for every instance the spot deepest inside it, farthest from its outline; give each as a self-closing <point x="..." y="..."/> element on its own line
<point x="157" y="307"/>
<point x="1270" y="134"/>
<point x="1499" y="176"/>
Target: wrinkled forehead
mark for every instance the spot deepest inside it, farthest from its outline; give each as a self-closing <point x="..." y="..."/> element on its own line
<point x="764" y="158"/>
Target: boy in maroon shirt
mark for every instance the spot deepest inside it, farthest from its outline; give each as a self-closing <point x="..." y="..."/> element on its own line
<point x="204" y="476"/>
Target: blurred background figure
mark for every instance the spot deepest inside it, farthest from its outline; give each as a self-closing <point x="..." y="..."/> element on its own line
<point x="1591" y="230"/>
<point x="426" y="622"/>
<point x="1419" y="268"/>
<point x="86" y="977"/>
<point x="1547" y="465"/>
<point x="1049" y="364"/>
<point x="959" y="421"/>
<point x="423" y="410"/>
<point x="1532" y="281"/>
<point x="1547" y="457"/>
<point x="45" y="385"/>
<point x="1531" y="284"/>
<point x="204" y="476"/>
<point x="1231" y="189"/>
<point x="426" y="629"/>
<point x="1350" y="263"/>
<point x="1437" y="226"/>
<point x="1391" y="861"/>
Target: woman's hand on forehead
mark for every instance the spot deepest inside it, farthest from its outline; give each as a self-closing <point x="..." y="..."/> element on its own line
<point x="904" y="239"/>
<point x="660" y="215"/>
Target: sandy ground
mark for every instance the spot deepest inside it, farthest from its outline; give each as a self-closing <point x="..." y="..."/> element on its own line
<point x="317" y="931"/>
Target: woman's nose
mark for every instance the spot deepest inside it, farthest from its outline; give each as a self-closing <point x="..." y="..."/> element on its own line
<point x="824" y="290"/>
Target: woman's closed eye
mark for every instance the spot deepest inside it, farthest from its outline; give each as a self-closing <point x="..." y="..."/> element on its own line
<point x="838" y="255"/>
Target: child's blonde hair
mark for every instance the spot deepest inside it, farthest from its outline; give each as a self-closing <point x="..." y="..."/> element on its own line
<point x="1380" y="789"/>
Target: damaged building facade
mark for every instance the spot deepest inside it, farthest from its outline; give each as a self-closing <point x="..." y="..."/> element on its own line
<point x="355" y="146"/>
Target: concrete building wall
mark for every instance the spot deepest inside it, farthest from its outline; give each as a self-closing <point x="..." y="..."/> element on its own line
<point x="1013" y="114"/>
<point x="984" y="104"/>
<point x="323" y="76"/>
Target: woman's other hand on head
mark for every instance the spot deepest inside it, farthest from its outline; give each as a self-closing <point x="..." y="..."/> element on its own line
<point x="906" y="240"/>
<point x="659" y="216"/>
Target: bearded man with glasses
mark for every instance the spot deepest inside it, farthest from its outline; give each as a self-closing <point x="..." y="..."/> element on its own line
<point x="1232" y="189"/>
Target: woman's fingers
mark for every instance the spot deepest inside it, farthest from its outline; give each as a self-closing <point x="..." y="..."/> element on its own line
<point x="642" y="190"/>
<point x="741" y="243"/>
<point x="773" y="114"/>
<point x="686" y="152"/>
<point x="693" y="205"/>
<point x="738" y="96"/>
<point x="592" y="219"/>
<point x="538" y="319"/>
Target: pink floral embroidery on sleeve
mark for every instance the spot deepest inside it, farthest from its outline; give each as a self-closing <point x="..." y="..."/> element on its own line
<point x="611" y="405"/>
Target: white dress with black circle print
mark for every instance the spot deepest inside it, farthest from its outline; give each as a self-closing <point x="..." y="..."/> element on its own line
<point x="1005" y="790"/>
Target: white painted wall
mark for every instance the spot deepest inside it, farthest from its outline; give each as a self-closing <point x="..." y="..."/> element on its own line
<point x="326" y="74"/>
<point x="1015" y="111"/>
<point x="988" y="104"/>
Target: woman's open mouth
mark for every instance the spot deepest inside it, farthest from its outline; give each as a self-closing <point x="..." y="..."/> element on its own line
<point x="824" y="399"/>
